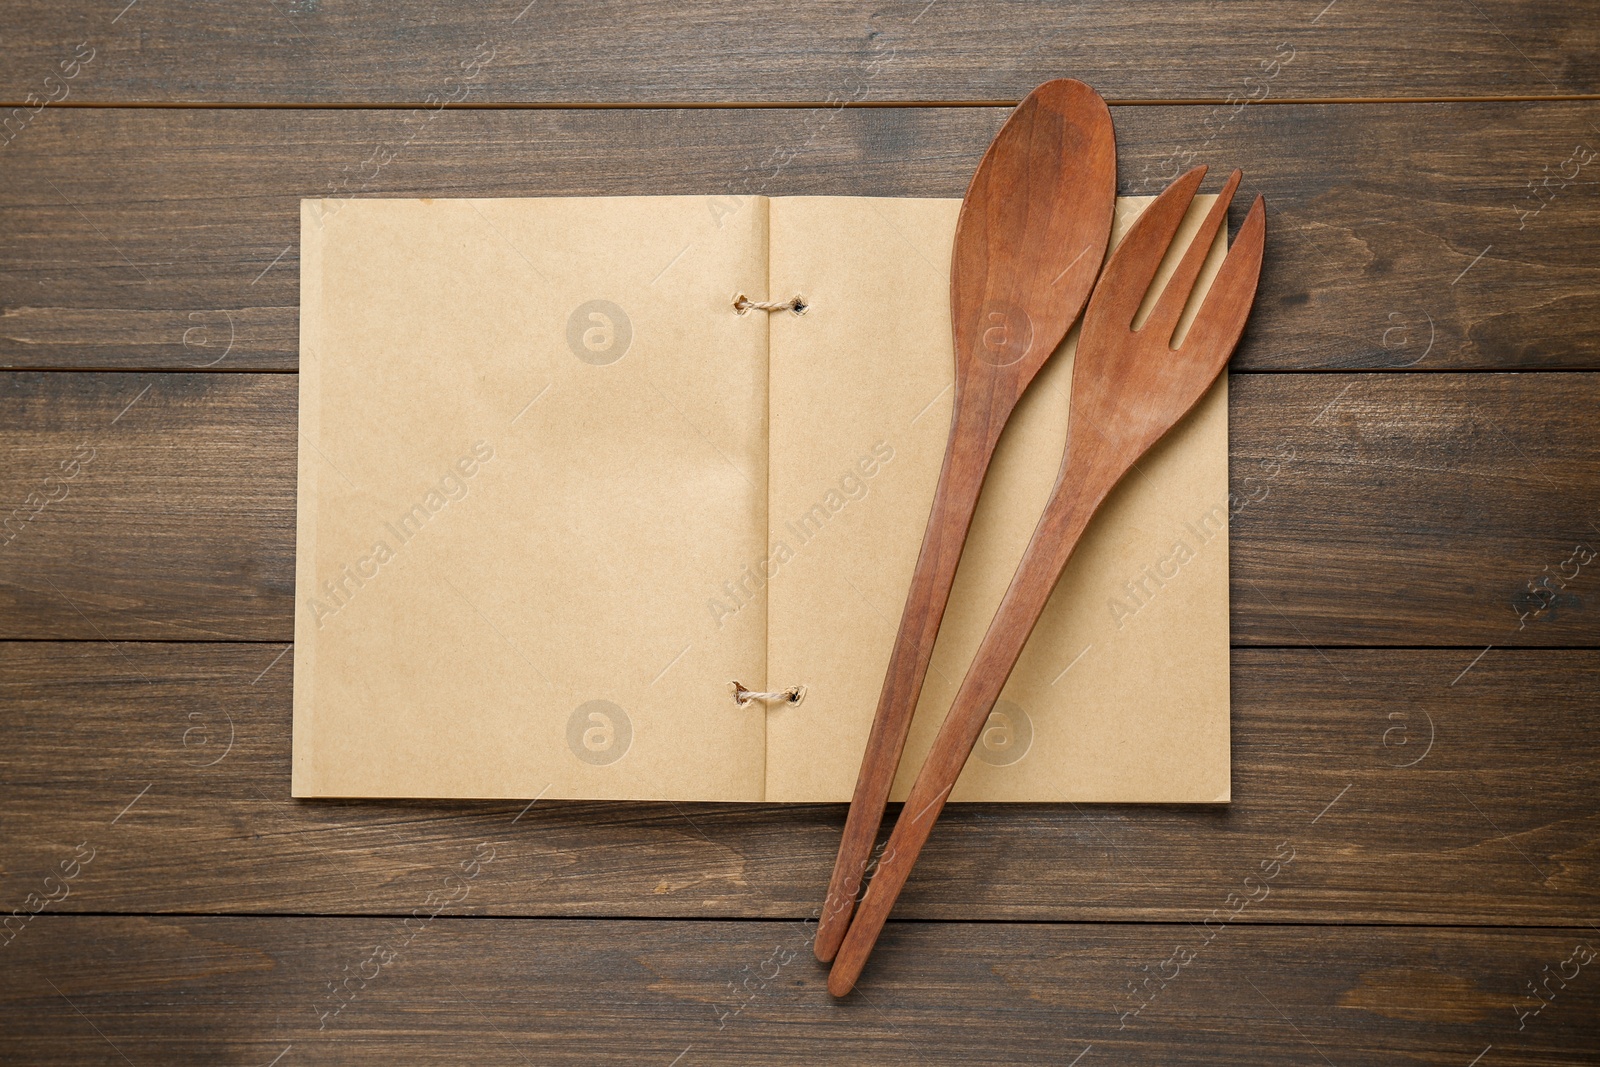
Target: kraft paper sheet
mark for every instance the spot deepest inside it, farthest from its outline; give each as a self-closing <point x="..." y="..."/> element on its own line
<point x="555" y="494"/>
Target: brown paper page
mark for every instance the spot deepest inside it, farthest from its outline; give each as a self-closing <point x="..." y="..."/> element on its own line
<point x="533" y="433"/>
<point x="1122" y="692"/>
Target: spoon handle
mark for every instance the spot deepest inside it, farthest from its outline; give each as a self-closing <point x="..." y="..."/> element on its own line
<point x="972" y="444"/>
<point x="1058" y="532"/>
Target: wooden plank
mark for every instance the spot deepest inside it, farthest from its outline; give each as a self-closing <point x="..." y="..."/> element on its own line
<point x="174" y="505"/>
<point x="1390" y="786"/>
<point x="1437" y="509"/>
<point x="514" y="51"/>
<point x="1399" y="235"/>
<point x="1368" y="509"/>
<point x="496" y="991"/>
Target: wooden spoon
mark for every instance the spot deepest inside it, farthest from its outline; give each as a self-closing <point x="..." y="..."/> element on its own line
<point x="1129" y="387"/>
<point x="1029" y="243"/>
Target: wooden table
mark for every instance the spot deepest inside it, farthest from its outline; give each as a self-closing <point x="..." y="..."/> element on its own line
<point x="1410" y="869"/>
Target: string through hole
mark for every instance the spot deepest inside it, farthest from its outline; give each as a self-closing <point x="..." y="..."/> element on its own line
<point x="744" y="697"/>
<point x="795" y="304"/>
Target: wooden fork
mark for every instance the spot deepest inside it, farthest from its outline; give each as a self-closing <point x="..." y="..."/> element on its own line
<point x="1129" y="387"/>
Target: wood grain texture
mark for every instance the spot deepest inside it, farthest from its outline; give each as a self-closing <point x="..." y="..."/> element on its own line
<point x="1033" y="230"/>
<point x="1453" y="786"/>
<point x="300" y="51"/>
<point x="1404" y="798"/>
<point x="181" y="515"/>
<point x="442" y="990"/>
<point x="1368" y="509"/>
<point x="1404" y="235"/>
<point x="1129" y="389"/>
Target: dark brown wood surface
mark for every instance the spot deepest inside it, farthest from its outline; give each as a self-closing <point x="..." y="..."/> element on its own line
<point x="446" y="990"/>
<point x="1406" y="236"/>
<point x="538" y="52"/>
<point x="1414" y="793"/>
<point x="1382" y="509"/>
<point x="1416" y="671"/>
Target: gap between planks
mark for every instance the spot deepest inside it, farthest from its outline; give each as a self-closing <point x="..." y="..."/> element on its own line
<point x="807" y="105"/>
<point x="789" y="920"/>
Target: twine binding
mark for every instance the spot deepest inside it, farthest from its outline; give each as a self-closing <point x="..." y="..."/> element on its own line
<point x="743" y="697"/>
<point x="795" y="303"/>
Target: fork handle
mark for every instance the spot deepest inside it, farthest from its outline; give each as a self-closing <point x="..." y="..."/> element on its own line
<point x="974" y="433"/>
<point x="1054" y="539"/>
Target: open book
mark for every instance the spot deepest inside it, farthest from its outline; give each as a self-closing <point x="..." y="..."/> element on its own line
<point x="557" y="492"/>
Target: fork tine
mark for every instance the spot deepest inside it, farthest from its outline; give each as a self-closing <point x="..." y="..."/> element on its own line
<point x="1133" y="264"/>
<point x="1169" y="308"/>
<point x="1221" y="318"/>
